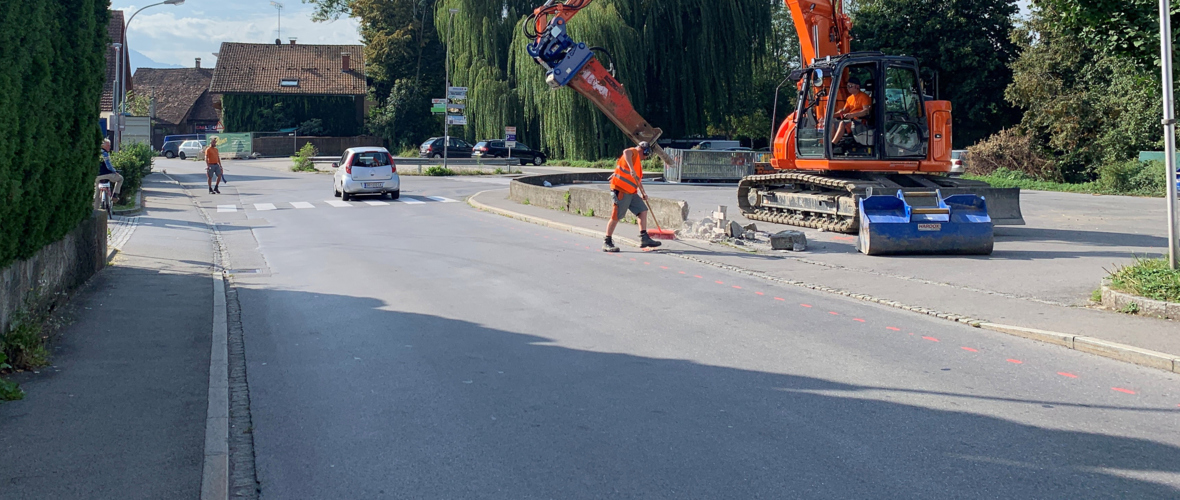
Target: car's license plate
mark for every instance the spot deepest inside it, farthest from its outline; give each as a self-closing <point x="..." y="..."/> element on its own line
<point x="374" y="184"/>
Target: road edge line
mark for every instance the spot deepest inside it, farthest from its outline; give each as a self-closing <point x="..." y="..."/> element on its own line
<point x="1113" y="350"/>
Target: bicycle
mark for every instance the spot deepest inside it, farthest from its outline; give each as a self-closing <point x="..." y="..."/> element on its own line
<point x="106" y="201"/>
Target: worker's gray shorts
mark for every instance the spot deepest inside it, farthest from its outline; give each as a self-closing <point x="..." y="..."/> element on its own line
<point x="213" y="171"/>
<point x="626" y="201"/>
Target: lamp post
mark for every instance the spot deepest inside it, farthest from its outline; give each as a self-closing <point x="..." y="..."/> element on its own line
<point x="446" y="112"/>
<point x="1169" y="123"/>
<point x="122" y="87"/>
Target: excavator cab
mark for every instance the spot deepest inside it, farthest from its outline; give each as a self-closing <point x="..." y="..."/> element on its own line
<point x="895" y="127"/>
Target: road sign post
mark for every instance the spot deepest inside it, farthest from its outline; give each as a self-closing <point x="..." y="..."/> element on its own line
<point x="510" y="141"/>
<point x="1169" y="123"/>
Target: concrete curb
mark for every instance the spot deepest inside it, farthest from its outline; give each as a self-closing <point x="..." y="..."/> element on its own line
<point x="1113" y="350"/>
<point x="1121" y="301"/>
<point x="135" y="210"/>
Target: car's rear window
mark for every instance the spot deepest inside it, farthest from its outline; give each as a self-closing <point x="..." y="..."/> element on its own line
<point x="371" y="159"/>
<point x="481" y="144"/>
<point x="428" y="143"/>
<point x="957" y="154"/>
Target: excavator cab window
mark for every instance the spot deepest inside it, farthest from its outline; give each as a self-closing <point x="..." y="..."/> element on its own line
<point x="905" y="122"/>
<point x="854" y="130"/>
<point x="812" y="114"/>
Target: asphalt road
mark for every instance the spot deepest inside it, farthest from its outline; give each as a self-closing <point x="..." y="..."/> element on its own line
<point x="429" y="350"/>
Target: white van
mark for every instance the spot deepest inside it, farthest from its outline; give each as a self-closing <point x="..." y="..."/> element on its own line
<point x="713" y="145"/>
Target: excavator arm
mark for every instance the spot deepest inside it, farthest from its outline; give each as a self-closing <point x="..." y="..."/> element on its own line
<point x="572" y="64"/>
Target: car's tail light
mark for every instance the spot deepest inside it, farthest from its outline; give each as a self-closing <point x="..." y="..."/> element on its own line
<point x="348" y="169"/>
<point x="484" y="149"/>
<point x="391" y="163"/>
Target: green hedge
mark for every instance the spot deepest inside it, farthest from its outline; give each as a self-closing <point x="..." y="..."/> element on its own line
<point x="52" y="68"/>
<point x="133" y="162"/>
<point x="269" y="112"/>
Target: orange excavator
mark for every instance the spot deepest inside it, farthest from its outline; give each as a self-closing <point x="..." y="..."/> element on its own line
<point x="866" y="150"/>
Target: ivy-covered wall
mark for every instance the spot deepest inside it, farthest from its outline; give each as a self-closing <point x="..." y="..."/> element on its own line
<point x="338" y="115"/>
<point x="49" y="105"/>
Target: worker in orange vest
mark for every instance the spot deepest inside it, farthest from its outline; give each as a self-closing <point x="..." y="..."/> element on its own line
<point x="627" y="193"/>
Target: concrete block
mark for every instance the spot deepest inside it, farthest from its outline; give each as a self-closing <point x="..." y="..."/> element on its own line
<point x="1173" y="310"/>
<point x="750" y="235"/>
<point x="751" y="227"/>
<point x="734" y="230"/>
<point x="789" y="240"/>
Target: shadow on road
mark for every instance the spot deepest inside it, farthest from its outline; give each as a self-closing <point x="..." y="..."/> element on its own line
<point x="448" y="408"/>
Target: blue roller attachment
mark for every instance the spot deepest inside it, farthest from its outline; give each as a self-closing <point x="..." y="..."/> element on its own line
<point x="957" y="224"/>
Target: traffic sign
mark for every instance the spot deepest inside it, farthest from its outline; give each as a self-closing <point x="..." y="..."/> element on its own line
<point x="457" y="93"/>
<point x="456" y="120"/>
<point x="438" y="101"/>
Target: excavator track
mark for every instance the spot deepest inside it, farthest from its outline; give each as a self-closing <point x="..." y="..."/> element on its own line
<point x="801" y="217"/>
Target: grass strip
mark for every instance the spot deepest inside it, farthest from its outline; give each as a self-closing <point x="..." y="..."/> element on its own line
<point x="1150" y="278"/>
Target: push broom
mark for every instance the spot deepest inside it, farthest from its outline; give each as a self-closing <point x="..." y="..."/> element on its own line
<point x="660" y="233"/>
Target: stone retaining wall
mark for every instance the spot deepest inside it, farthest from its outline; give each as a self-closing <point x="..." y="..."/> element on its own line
<point x="1119" y="301"/>
<point x="585" y="200"/>
<point x="58" y="268"/>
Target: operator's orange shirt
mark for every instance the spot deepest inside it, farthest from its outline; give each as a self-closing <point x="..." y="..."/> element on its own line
<point x="857" y="102"/>
<point x="212" y="156"/>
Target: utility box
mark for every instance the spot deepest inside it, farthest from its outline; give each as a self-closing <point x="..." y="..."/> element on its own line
<point x="137" y="129"/>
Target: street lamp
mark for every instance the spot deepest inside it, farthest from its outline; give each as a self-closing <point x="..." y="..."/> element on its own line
<point x="122" y="87"/>
<point x="447" y="112"/>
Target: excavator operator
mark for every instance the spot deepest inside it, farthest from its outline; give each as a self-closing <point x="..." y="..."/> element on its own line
<point x="627" y="193"/>
<point x="854" y="113"/>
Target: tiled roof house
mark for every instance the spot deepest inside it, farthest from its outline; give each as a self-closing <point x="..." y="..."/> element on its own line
<point x="183" y="104"/>
<point x="117" y="33"/>
<point x="286" y="72"/>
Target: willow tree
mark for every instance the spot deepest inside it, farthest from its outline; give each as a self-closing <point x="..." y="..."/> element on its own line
<point x="688" y="65"/>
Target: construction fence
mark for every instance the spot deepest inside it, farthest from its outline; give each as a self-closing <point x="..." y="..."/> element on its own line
<point x="693" y="165"/>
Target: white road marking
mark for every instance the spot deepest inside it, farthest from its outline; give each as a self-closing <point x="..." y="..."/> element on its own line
<point x="227" y="208"/>
<point x="338" y="203"/>
<point x="262" y="207"/>
<point x="376" y="203"/>
<point x="302" y="204"/>
<point x="440" y="198"/>
<point x="411" y="201"/>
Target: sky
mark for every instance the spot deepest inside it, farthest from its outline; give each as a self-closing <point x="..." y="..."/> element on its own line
<point x="176" y="35"/>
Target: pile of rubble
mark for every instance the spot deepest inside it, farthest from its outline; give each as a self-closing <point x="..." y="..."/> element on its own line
<point x="719" y="229"/>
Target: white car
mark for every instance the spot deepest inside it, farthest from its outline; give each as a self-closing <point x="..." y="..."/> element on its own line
<point x="366" y="171"/>
<point x="958" y="162"/>
<point x="193" y="148"/>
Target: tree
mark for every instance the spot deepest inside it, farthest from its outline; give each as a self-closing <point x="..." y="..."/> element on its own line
<point x="968" y="44"/>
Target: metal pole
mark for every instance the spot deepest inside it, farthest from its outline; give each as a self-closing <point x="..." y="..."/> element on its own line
<point x="447" y="112"/>
<point x="1169" y="122"/>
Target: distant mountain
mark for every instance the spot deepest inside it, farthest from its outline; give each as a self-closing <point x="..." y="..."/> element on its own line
<point x="138" y="60"/>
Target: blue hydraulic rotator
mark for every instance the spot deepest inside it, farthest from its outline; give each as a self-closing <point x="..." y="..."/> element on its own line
<point x="559" y="53"/>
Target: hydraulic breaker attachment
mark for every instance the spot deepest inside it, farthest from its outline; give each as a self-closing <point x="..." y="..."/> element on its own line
<point x="925" y="224"/>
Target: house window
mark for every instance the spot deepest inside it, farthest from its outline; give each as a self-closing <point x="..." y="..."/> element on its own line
<point x="289" y="83"/>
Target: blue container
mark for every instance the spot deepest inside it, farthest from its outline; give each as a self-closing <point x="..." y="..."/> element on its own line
<point x="957" y="224"/>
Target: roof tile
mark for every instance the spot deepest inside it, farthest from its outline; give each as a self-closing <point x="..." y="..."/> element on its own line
<point x="259" y="68"/>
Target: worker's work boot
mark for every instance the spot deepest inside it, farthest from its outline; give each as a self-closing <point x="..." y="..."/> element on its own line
<point x="645" y="241"/>
<point x="608" y="245"/>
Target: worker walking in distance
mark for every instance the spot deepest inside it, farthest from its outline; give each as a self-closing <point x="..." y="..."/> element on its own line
<point x="627" y="193"/>
<point x="213" y="170"/>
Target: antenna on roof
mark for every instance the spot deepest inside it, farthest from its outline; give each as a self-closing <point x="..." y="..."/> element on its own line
<point x="279" y="9"/>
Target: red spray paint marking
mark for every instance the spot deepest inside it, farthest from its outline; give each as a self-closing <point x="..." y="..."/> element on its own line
<point x="969" y="349"/>
<point x="894" y="328"/>
<point x="695" y="276"/>
<point x="647" y="263"/>
<point x="760" y="293"/>
<point x="844" y="238"/>
<point x="805" y="305"/>
<point x="719" y="282"/>
<point x="633" y="260"/>
<point x="1120" y="389"/>
<point x="663" y="267"/>
<point x="1067" y="374"/>
<point x="1016" y="361"/>
<point x="833" y="313"/>
<point x="932" y="339"/>
<point x="737" y="287"/>
<point x="858" y="319"/>
<point x="682" y="272"/>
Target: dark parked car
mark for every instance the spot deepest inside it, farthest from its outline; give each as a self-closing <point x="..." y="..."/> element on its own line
<point x="171" y="148"/>
<point x="495" y="148"/>
<point x="432" y="148"/>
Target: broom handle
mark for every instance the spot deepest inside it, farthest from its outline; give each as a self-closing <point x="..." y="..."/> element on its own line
<point x="652" y="212"/>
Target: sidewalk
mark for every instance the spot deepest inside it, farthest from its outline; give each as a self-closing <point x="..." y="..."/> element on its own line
<point x="121" y="411"/>
<point x="938" y="298"/>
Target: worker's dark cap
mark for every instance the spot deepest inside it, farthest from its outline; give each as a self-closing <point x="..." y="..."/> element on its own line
<point x="854" y="81"/>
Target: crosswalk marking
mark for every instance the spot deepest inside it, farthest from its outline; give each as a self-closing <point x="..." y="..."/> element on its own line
<point x="411" y="201"/>
<point x="302" y="204"/>
<point x="376" y="203"/>
<point x="262" y="207"/>
<point x="227" y="208"/>
<point x="338" y="203"/>
<point x="440" y="198"/>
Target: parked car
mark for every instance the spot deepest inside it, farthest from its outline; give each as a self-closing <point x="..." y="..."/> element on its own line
<point x="432" y="148"/>
<point x="718" y="145"/>
<point x="185" y="137"/>
<point x="191" y="148"/>
<point x="958" y="162"/>
<point x="170" y="149"/>
<point x="366" y="171"/>
<point x="495" y="148"/>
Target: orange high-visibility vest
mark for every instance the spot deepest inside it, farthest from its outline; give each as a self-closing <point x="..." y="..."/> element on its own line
<point x="628" y="171"/>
